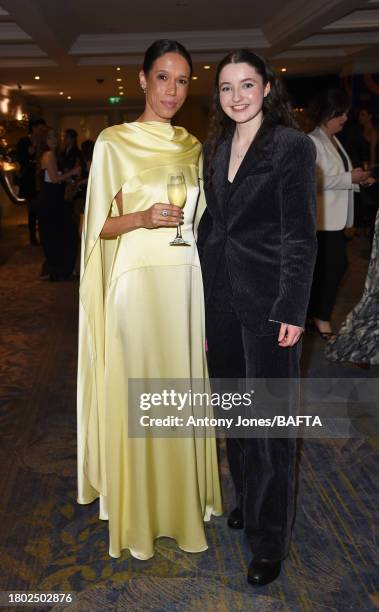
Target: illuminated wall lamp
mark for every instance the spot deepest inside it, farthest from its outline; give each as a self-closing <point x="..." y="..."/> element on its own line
<point x="4" y="106"/>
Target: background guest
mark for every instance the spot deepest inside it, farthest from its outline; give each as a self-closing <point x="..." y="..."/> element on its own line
<point x="370" y="197"/>
<point x="358" y="339"/>
<point x="79" y="197"/>
<point x="361" y="141"/>
<point x="71" y="155"/>
<point x="26" y="155"/>
<point x="336" y="180"/>
<point x="57" y="228"/>
<point x="370" y="137"/>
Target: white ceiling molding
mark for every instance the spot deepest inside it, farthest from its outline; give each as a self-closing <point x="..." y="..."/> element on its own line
<point x="27" y="63"/>
<point x="11" y="31"/>
<point x="306" y="36"/>
<point x="356" y="20"/>
<point x="136" y="60"/>
<point x="88" y="44"/>
<point x="214" y="57"/>
<point x="311" y="53"/>
<point x="110" y="60"/>
<point x="29" y="15"/>
<point x="343" y="39"/>
<point x="359" y="67"/>
<point x="364" y="67"/>
<point x="298" y="19"/>
<point x="21" y="51"/>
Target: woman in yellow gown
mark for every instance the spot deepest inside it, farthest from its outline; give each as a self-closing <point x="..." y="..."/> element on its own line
<point x="141" y="317"/>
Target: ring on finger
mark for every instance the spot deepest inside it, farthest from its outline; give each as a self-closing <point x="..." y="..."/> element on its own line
<point x="165" y="212"/>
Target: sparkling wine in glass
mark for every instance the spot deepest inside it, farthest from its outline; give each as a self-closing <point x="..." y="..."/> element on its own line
<point x="177" y="194"/>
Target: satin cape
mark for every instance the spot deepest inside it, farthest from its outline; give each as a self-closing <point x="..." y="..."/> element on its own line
<point x="126" y="311"/>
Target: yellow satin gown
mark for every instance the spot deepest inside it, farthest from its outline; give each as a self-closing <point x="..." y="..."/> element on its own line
<point x="141" y="316"/>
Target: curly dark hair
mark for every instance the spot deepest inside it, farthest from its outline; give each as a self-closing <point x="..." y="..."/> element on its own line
<point x="276" y="105"/>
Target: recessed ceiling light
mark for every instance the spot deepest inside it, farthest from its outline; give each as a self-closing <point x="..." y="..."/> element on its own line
<point x="119" y="79"/>
<point x="118" y="68"/>
<point x="206" y="67"/>
<point x="194" y="78"/>
<point x="68" y="97"/>
<point x="37" y="78"/>
<point x="284" y="69"/>
<point x="61" y="93"/>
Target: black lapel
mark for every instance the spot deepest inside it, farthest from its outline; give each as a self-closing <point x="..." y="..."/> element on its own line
<point x="220" y="171"/>
<point x="257" y="159"/>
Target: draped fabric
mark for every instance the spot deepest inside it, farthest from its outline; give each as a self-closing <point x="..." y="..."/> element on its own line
<point x="358" y="339"/>
<point x="141" y="316"/>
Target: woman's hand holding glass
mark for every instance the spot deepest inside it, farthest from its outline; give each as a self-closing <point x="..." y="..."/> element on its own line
<point x="358" y="175"/>
<point x="370" y="180"/>
<point x="162" y="215"/>
<point x="177" y="194"/>
<point x="168" y="215"/>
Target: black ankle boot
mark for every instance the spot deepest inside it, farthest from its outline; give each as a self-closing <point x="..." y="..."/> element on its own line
<point x="235" y="519"/>
<point x="263" y="571"/>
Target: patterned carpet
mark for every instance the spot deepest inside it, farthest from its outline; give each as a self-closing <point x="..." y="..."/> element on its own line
<point x="48" y="542"/>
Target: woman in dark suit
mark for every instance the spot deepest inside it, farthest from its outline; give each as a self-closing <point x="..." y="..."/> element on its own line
<point x="257" y="244"/>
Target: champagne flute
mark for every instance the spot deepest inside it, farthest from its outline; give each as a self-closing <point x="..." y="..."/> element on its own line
<point x="177" y="194"/>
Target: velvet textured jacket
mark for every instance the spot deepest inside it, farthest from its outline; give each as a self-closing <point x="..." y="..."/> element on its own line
<point x="261" y="228"/>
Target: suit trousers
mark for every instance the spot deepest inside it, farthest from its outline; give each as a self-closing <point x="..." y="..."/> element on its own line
<point x="330" y="267"/>
<point x="263" y="469"/>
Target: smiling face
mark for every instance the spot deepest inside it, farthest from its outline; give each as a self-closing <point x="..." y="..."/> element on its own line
<point x="166" y="86"/>
<point x="242" y="92"/>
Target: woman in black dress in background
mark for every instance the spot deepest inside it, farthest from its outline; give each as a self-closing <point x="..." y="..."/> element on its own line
<point x="57" y="228"/>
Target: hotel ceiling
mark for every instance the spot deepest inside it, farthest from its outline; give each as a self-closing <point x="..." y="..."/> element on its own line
<point x="75" y="46"/>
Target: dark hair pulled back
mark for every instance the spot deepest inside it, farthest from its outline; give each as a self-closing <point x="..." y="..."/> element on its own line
<point x="161" y="47"/>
